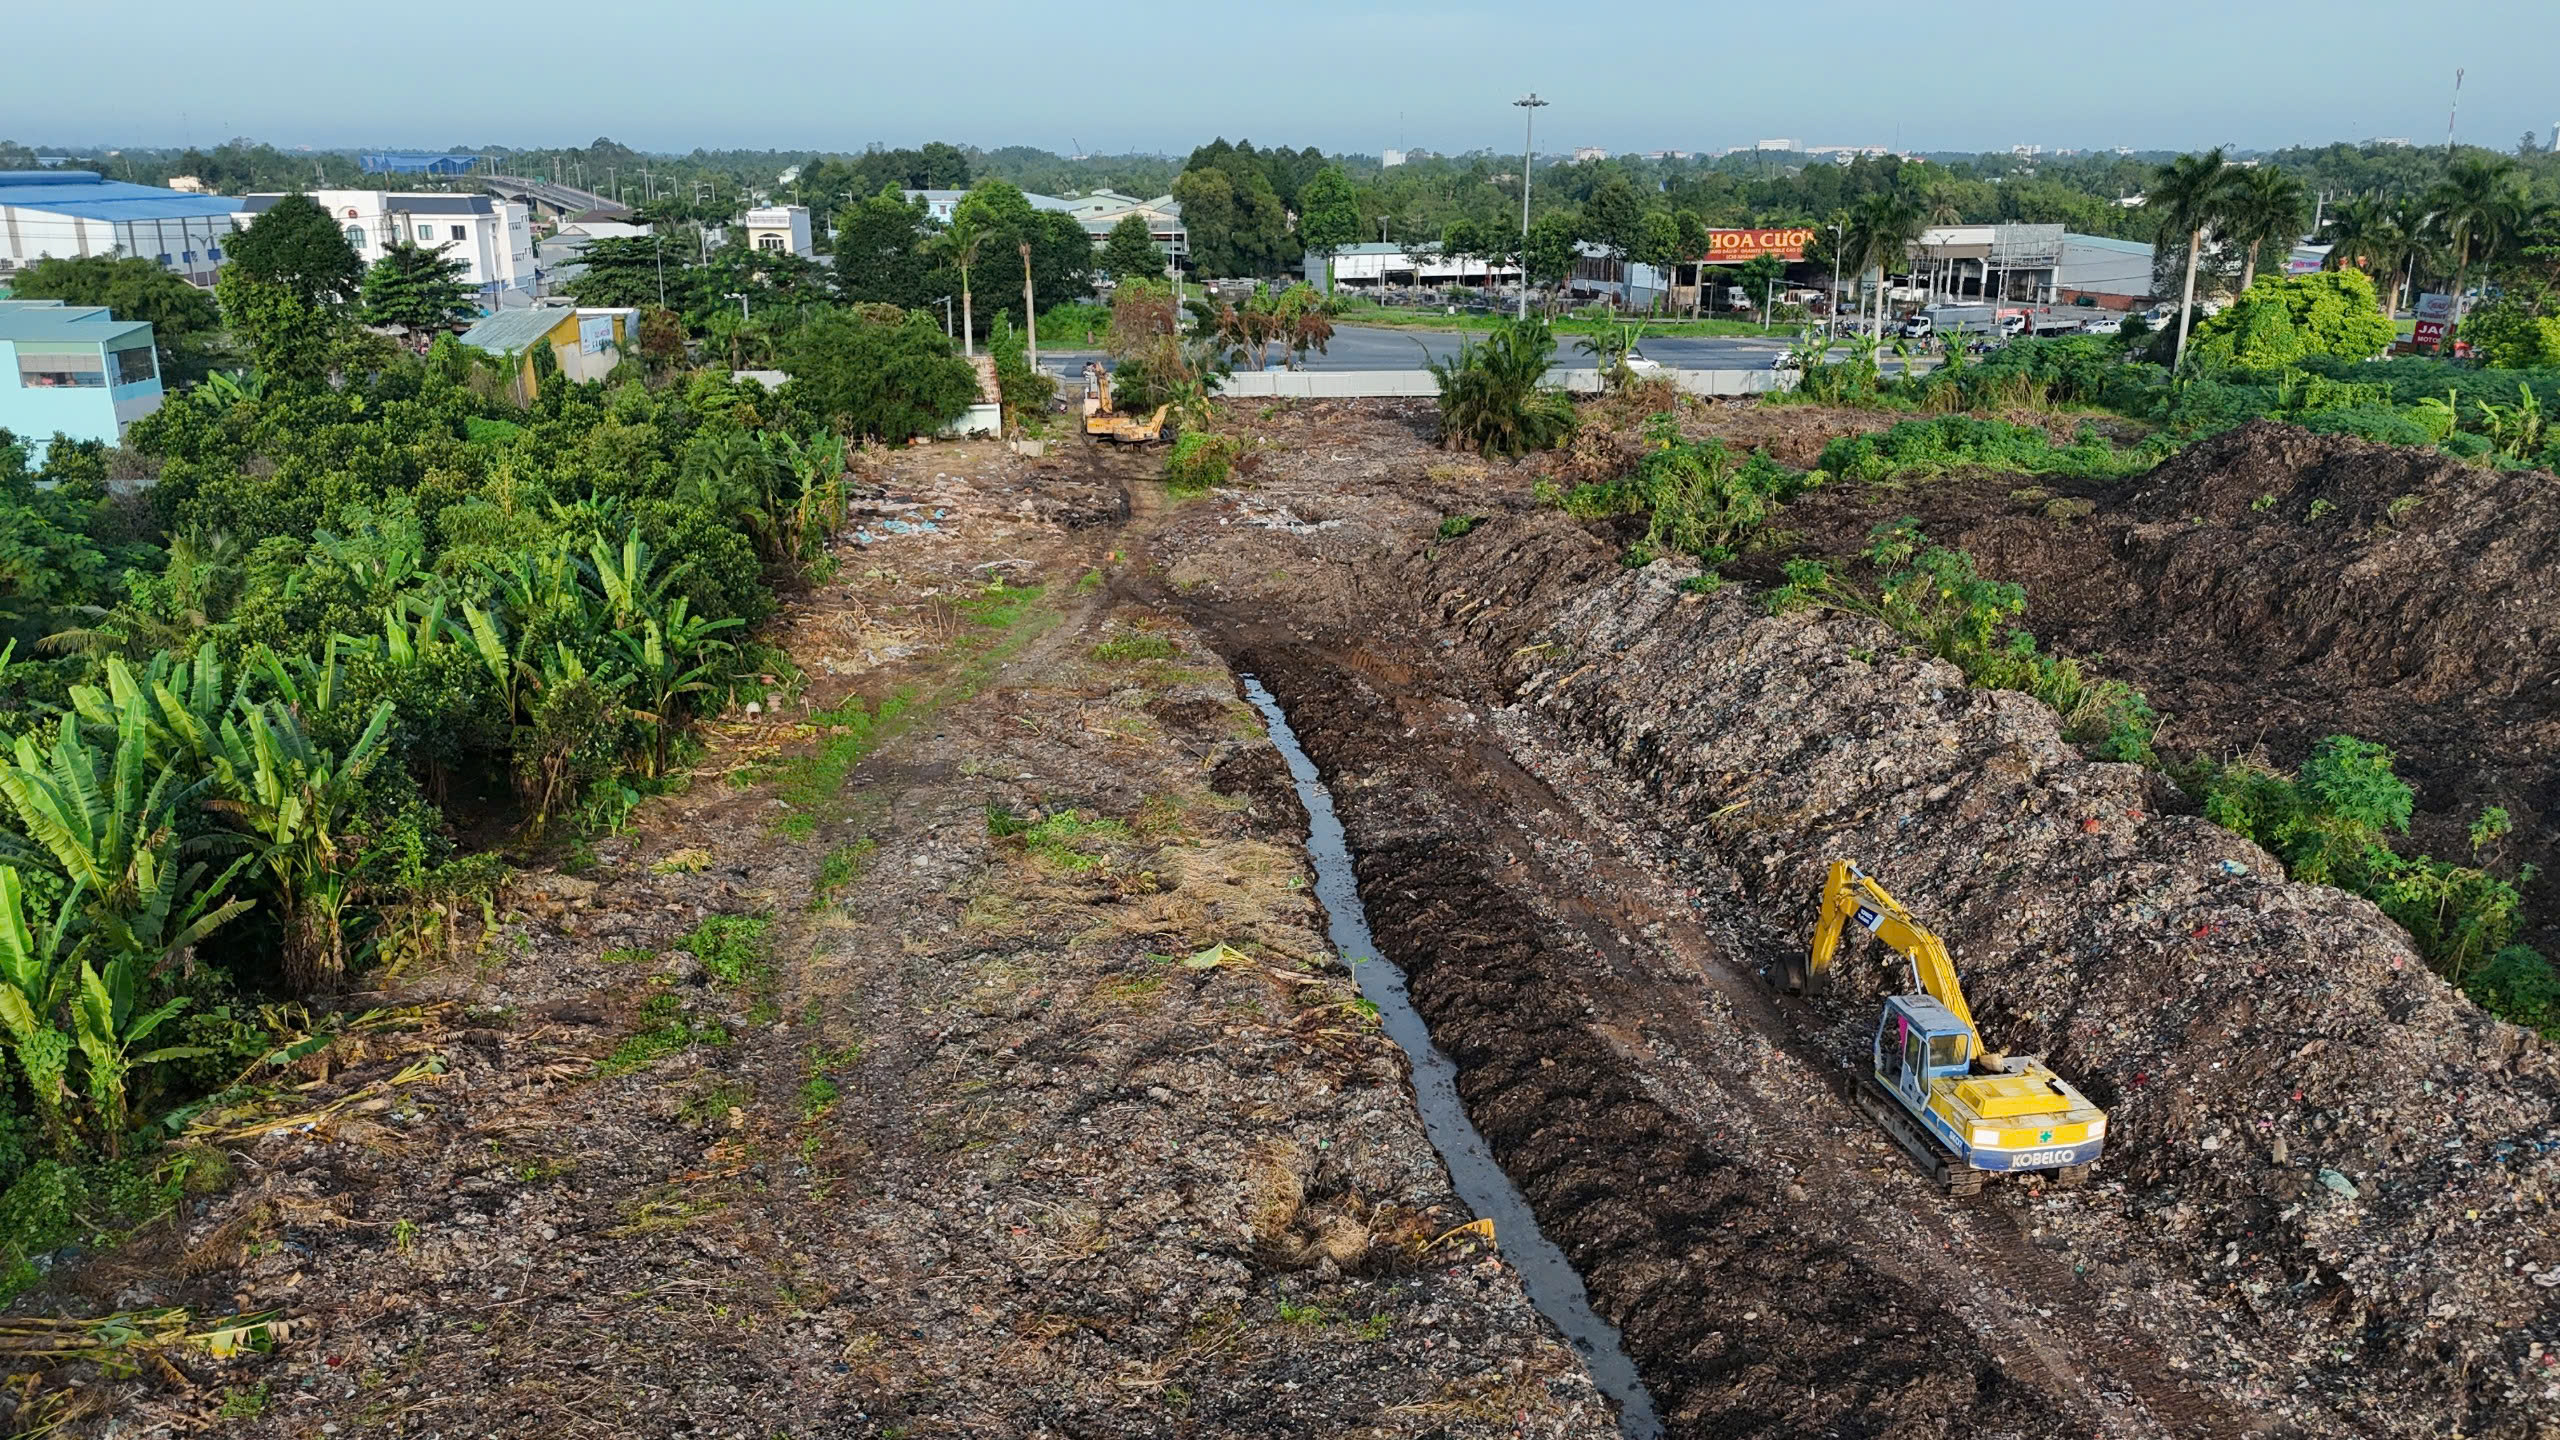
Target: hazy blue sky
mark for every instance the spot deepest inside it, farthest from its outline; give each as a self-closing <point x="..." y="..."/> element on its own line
<point x="1137" y="75"/>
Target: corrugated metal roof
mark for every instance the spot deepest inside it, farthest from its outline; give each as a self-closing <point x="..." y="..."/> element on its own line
<point x="2079" y="241"/>
<point x="84" y="194"/>
<point x="40" y="321"/>
<point x="512" y="330"/>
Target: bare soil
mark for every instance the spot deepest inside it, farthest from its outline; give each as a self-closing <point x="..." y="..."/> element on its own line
<point x="996" y="1140"/>
<point x="1592" y="814"/>
<point x="1050" y="1114"/>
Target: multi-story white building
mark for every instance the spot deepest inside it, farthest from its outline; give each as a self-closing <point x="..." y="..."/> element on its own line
<point x="68" y="214"/>
<point x="781" y="227"/>
<point x="492" y="238"/>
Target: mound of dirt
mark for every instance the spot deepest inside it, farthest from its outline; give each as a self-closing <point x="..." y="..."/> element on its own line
<point x="2272" y="586"/>
<point x="2325" y="1143"/>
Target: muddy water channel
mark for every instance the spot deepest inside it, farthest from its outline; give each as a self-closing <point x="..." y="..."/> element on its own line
<point x="1549" y="1278"/>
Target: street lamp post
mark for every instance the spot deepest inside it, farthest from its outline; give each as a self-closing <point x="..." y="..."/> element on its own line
<point x="1835" y="278"/>
<point x="1528" y="147"/>
<point x="741" y="297"/>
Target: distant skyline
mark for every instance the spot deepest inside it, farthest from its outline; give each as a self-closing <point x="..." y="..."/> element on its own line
<point x="1141" y="76"/>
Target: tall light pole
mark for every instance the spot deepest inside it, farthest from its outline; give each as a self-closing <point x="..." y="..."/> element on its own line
<point x="1835" y="278"/>
<point x="1528" y="147"/>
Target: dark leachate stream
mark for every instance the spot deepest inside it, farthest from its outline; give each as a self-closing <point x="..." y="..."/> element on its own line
<point x="1549" y="1278"/>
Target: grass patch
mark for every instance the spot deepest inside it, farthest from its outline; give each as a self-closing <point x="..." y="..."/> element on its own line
<point x="1458" y="525"/>
<point x="628" y="955"/>
<point x="841" y="868"/>
<point x="1065" y="840"/>
<point x="683" y="862"/>
<point x="812" y="785"/>
<point x="665" y="1029"/>
<point x="1128" y="649"/>
<point x="730" y="947"/>
<point x="1921" y="448"/>
<point x="488" y="432"/>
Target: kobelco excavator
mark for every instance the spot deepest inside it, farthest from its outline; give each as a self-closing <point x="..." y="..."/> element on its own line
<point x="1962" y="1111"/>
<point x="1104" y="423"/>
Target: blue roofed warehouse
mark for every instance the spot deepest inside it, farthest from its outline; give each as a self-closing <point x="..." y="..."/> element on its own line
<point x="67" y="214"/>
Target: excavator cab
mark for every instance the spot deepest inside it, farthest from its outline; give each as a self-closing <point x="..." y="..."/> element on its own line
<point x="1918" y="1040"/>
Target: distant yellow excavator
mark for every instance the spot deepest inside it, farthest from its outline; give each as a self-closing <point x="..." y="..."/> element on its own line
<point x="1962" y="1111"/>
<point x="1104" y="423"/>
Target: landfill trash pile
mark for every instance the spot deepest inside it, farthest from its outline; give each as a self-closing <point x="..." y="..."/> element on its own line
<point x="2271" y="586"/>
<point x="2320" y="1141"/>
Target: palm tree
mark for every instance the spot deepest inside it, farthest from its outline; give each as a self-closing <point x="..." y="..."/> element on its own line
<point x="1880" y="233"/>
<point x="2264" y="208"/>
<point x="2367" y="234"/>
<point x="2190" y="193"/>
<point x="957" y="245"/>
<point x="2476" y="208"/>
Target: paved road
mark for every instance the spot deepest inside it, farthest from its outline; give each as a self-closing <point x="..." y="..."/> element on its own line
<point x="1373" y="347"/>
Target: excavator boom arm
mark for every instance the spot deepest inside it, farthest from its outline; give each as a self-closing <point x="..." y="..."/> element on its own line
<point x="1850" y="894"/>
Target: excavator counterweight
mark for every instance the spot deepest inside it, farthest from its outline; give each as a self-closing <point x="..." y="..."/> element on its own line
<point x="1962" y="1110"/>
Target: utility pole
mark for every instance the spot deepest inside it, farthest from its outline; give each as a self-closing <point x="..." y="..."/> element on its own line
<point x="1030" y="311"/>
<point x="1531" y="104"/>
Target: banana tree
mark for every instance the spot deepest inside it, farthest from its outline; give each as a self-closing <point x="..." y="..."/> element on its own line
<point x="109" y="1022"/>
<point x="625" y="578"/>
<point x="35" y="986"/>
<point x="669" y="661"/>
<point x="295" y="797"/>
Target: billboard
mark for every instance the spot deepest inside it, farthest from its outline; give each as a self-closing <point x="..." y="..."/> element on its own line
<point x="1734" y="246"/>
<point x="595" y="334"/>
<point x="2434" y="311"/>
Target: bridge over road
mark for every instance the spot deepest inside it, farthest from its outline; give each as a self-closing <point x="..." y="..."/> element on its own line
<point x="563" y="200"/>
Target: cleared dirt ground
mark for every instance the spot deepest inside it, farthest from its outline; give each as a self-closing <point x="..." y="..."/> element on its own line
<point x="1042" y="1110"/>
<point x="1072" y="1131"/>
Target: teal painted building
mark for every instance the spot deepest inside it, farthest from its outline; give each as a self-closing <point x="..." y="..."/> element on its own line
<point x="74" y="370"/>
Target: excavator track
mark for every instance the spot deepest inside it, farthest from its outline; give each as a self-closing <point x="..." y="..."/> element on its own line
<point x="1940" y="1164"/>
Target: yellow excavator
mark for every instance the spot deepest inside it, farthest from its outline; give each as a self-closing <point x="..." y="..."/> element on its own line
<point x="1962" y="1111"/>
<point x="1101" y="422"/>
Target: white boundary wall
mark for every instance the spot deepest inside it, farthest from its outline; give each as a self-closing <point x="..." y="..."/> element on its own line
<point x="1367" y="384"/>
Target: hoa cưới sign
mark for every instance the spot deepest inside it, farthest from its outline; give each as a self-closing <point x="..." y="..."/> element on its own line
<point x="1734" y="246"/>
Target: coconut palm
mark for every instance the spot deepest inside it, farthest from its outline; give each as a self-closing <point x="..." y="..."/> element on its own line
<point x="2477" y="207"/>
<point x="2264" y="208"/>
<point x="2191" y="193"/>
<point x="2368" y="235"/>
<point x="1880" y="233"/>
<point x="957" y="246"/>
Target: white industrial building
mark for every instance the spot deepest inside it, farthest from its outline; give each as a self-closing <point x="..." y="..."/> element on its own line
<point x="492" y="238"/>
<point x="70" y="214"/>
<point x="1370" y="266"/>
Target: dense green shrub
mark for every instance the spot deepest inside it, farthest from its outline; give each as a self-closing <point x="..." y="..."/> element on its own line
<point x="2520" y="985"/>
<point x="2390" y="427"/>
<point x="1698" y="498"/>
<point x="884" y="379"/>
<point x="2330" y="824"/>
<point x="1490" y="400"/>
<point x="1937" y="596"/>
<point x="1201" y="461"/>
<point x="1952" y="442"/>
<point x="2285" y="319"/>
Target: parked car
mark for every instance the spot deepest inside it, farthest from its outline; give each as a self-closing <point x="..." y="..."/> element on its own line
<point x="1642" y="364"/>
<point x="2106" y="324"/>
